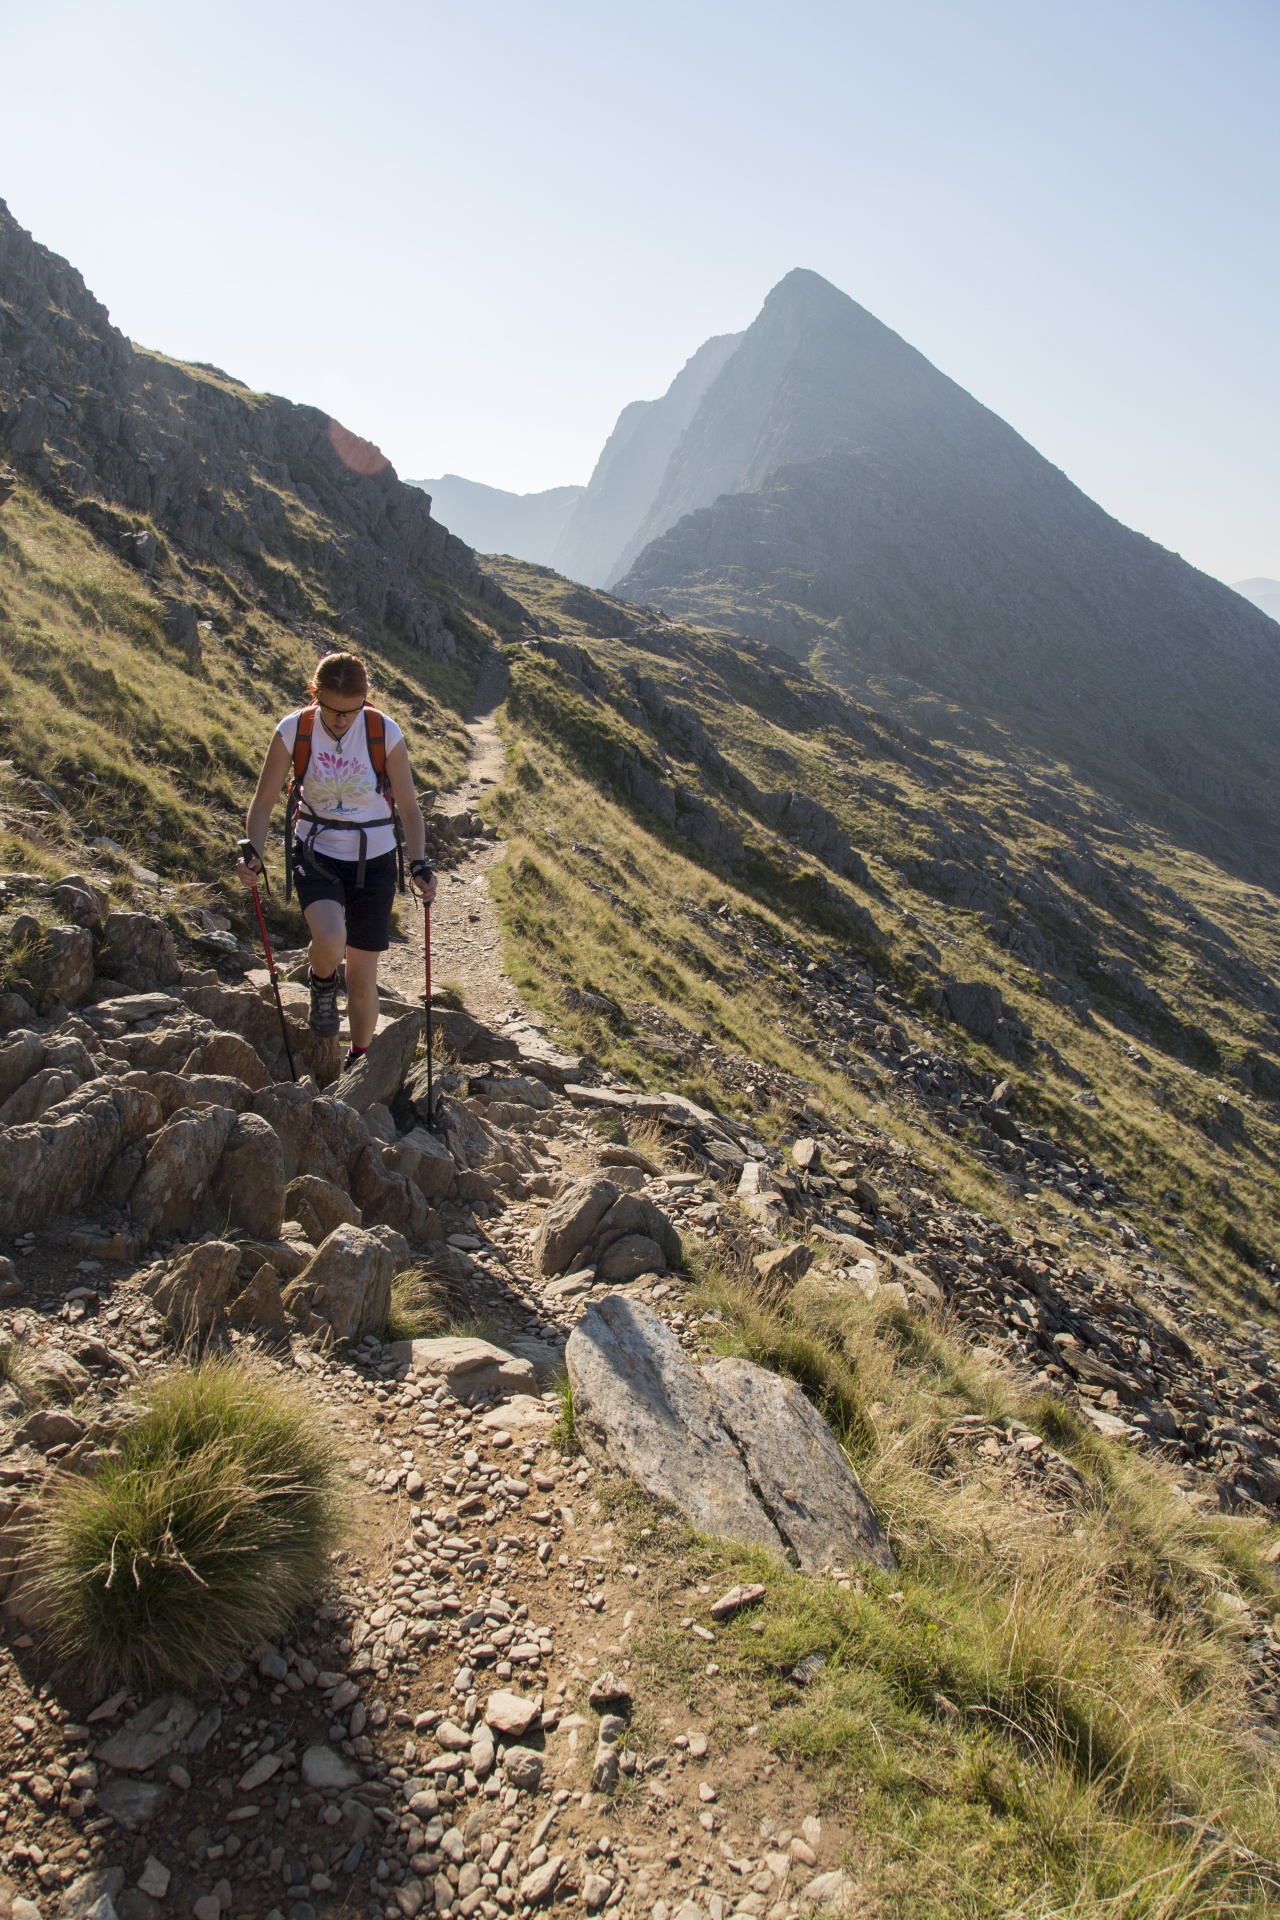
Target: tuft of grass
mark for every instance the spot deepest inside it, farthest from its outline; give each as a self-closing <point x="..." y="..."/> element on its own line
<point x="36" y="1384"/>
<point x="420" y="1306"/>
<point x="213" y="1523"/>
<point x="563" y="1432"/>
<point x="450" y="994"/>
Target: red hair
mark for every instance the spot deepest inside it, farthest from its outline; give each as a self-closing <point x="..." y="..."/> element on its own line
<point x="343" y="673"/>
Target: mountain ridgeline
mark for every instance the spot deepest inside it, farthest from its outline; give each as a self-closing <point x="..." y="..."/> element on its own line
<point x="838" y="495"/>
<point x="817" y="483"/>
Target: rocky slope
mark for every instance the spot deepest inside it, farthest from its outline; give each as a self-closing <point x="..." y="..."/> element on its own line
<point x="298" y="512"/>
<point x="838" y="495"/>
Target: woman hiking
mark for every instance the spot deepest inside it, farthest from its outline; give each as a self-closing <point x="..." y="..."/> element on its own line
<point x="351" y="801"/>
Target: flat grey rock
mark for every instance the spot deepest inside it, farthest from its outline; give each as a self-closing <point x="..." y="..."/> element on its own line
<point x="323" y="1767"/>
<point x="466" y="1364"/>
<point x="132" y="1803"/>
<point x="797" y="1468"/>
<point x="641" y="1405"/>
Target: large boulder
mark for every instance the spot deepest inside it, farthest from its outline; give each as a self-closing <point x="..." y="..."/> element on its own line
<point x="425" y="1159"/>
<point x="570" y="1223"/>
<point x="260" y="1304"/>
<point x="974" y="1005"/>
<point x="248" y="1187"/>
<point x="469" y="1144"/>
<point x="739" y="1450"/>
<point x="633" y="1214"/>
<point x="629" y="1257"/>
<point x="53" y="1165"/>
<point x="465" y="1365"/>
<point x="138" y="949"/>
<point x="798" y="1470"/>
<point x="347" y="1282"/>
<point x="21" y="1055"/>
<point x="318" y="1207"/>
<point x="193" y="1293"/>
<point x="319" y="1136"/>
<point x="378" y="1076"/>
<point x="67" y="965"/>
<point x="639" y="1404"/>
<point x="174" y="1090"/>
<point x="181" y="1163"/>
<point x="232" y="1054"/>
<point x="80" y="902"/>
<point x="386" y="1198"/>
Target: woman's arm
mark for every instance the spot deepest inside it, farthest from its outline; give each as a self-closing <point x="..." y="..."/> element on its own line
<point x="406" y="797"/>
<point x="257" y="821"/>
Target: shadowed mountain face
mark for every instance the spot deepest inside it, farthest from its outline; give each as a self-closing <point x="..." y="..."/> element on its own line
<point x="607" y="527"/>
<point x="836" y="494"/>
<point x="525" y="525"/>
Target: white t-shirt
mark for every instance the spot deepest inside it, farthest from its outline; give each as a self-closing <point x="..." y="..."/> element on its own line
<point x="340" y="784"/>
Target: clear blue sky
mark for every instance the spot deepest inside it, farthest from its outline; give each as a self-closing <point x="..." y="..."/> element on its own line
<point x="473" y="232"/>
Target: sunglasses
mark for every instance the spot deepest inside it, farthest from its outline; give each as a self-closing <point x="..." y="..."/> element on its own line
<point x="342" y="713"/>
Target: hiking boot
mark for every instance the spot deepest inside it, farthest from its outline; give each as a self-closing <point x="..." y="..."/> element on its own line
<point x="323" y="1017"/>
<point x="354" y="1058"/>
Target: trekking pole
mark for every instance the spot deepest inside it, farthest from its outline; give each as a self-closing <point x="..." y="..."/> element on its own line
<point x="431" y="1025"/>
<point x="249" y="852"/>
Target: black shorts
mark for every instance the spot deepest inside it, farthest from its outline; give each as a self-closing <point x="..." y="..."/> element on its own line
<point x="367" y="908"/>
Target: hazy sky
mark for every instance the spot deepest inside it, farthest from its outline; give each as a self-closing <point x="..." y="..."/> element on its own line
<point x="473" y="232"/>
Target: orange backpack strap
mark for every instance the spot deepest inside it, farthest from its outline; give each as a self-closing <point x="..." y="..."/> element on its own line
<point x="302" y="744"/>
<point x="375" y="733"/>
<point x="301" y="761"/>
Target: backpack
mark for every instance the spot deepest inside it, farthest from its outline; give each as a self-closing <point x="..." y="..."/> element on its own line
<point x="376" y="737"/>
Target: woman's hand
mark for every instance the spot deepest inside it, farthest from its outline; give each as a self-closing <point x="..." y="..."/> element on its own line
<point x="423" y="881"/>
<point x="249" y="870"/>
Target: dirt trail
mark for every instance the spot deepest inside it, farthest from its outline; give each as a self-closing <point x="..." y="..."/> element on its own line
<point x="466" y="947"/>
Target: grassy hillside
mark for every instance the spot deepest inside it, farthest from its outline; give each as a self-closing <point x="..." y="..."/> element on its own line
<point x="1062" y="1705"/>
<point x="1143" y="976"/>
<point x="150" y="744"/>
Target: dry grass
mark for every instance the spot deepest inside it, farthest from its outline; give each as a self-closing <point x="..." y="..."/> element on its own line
<point x="213" y="1523"/>
<point x="421" y="1305"/>
<point x="1038" y="1711"/>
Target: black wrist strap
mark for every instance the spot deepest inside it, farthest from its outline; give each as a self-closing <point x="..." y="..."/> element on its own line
<point x="421" y="870"/>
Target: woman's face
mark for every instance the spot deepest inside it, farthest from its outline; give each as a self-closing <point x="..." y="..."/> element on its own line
<point x="339" y="710"/>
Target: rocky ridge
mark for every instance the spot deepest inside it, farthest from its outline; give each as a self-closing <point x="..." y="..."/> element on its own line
<point x="183" y="470"/>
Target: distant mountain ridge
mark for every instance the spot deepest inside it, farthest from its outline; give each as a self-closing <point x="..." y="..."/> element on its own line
<point x="608" y="525"/>
<point x="1264" y="593"/>
<point x="525" y="525"/>
<point x="838" y="495"/>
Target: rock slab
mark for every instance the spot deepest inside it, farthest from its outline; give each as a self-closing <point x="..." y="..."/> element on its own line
<point x="797" y="1468"/>
<point x="641" y="1405"/>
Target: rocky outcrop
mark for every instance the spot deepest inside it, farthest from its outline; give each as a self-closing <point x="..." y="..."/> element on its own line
<point x="55" y="1164"/>
<point x="378" y="1077"/>
<point x="318" y="1207"/>
<point x="138" y="445"/>
<point x="346" y="1285"/>
<point x="193" y="1293"/>
<point x="181" y="1162"/>
<point x="248" y="1188"/>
